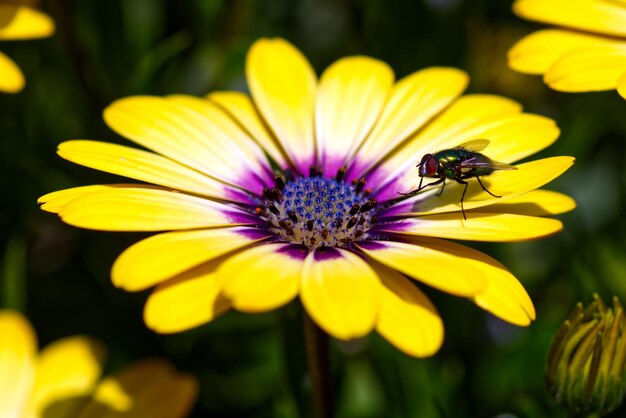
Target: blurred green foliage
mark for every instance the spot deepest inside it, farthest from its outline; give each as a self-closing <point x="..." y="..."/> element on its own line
<point x="254" y="365"/>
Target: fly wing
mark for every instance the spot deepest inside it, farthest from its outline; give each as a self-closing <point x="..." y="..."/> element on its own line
<point x="475" y="145"/>
<point x="485" y="162"/>
<point x="497" y="165"/>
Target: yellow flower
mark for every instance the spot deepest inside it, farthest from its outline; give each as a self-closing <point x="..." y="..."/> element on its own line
<point x="19" y="21"/>
<point x="588" y="52"/>
<point x="285" y="195"/>
<point x="63" y="380"/>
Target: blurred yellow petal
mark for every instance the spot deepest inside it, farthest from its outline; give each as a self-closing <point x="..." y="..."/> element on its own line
<point x="18" y="345"/>
<point x="144" y="209"/>
<point x="283" y="86"/>
<point x="455" y="269"/>
<point x="191" y="131"/>
<point x="139" y="165"/>
<point x="414" y="100"/>
<point x="67" y="371"/>
<point x="341" y="292"/>
<point x="240" y="107"/>
<point x="147" y="389"/>
<point x="22" y="22"/>
<point x="187" y="301"/>
<point x="261" y="278"/>
<point x="466" y="118"/>
<point x="621" y="85"/>
<point x="54" y="202"/>
<point x="11" y="77"/>
<point x="496" y="227"/>
<point x="588" y="69"/>
<point x="534" y="203"/>
<point x="604" y="17"/>
<point x="350" y="97"/>
<point x="162" y="256"/>
<point x="407" y="318"/>
<point x="535" y="53"/>
<point x="506" y="183"/>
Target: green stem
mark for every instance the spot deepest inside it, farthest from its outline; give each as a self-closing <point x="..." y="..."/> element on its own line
<point x="13" y="276"/>
<point x="63" y="13"/>
<point x="319" y="368"/>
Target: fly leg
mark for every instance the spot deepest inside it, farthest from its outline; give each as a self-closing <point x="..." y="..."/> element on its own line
<point x="484" y="188"/>
<point x="420" y="188"/>
<point x="434" y="183"/>
<point x="412" y="193"/>
<point x="443" y="184"/>
<point x="414" y="190"/>
<point x="463" y="196"/>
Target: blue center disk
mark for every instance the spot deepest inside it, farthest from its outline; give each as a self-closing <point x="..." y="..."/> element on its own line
<point x="318" y="211"/>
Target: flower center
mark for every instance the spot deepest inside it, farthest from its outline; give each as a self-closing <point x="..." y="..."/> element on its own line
<point x="315" y="211"/>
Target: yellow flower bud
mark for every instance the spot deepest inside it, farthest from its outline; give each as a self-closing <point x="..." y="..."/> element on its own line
<point x="585" y="366"/>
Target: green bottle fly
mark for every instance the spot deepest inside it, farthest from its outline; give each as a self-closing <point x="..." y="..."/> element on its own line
<point x="459" y="164"/>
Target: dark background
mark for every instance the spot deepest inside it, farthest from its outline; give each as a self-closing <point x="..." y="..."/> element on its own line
<point x="254" y="365"/>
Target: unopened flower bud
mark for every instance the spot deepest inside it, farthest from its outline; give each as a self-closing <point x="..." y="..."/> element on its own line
<point x="585" y="366"/>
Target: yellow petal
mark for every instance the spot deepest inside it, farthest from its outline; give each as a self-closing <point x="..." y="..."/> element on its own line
<point x="604" y="17"/>
<point x="140" y="165"/>
<point x="520" y="136"/>
<point x="535" y="53"/>
<point x="461" y="271"/>
<point x="145" y="209"/>
<point x="588" y="69"/>
<point x="11" y="77"/>
<point x="147" y="389"/>
<point x="407" y="318"/>
<point x="505" y="183"/>
<point x="22" y="22"/>
<point x="413" y="102"/>
<point x="162" y="256"/>
<point x="621" y="85"/>
<point x="240" y="107"/>
<point x="227" y="136"/>
<point x="462" y="121"/>
<point x="510" y="139"/>
<point x="187" y="301"/>
<point x="283" y="83"/>
<point x="506" y="298"/>
<point x="496" y="227"/>
<point x="443" y="265"/>
<point x="193" y="132"/>
<point x="67" y="370"/>
<point x="262" y="278"/>
<point x="54" y="202"/>
<point x="18" y="345"/>
<point x="350" y="97"/>
<point x="341" y="292"/>
<point x="534" y="203"/>
<point x="465" y="116"/>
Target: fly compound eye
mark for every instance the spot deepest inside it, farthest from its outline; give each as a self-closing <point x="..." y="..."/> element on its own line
<point x="431" y="166"/>
<point x="424" y="159"/>
<point x="423" y="165"/>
